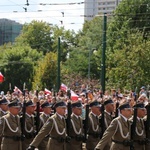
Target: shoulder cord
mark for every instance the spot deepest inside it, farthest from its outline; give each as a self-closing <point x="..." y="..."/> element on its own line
<point x="56" y="127"/>
<point x="121" y="132"/>
<point x="93" y="125"/>
<point x="137" y="132"/>
<point x="74" y="128"/>
<point x="29" y="131"/>
<point x="10" y="127"/>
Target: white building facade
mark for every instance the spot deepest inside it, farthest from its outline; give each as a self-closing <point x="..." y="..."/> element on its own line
<point x="97" y="7"/>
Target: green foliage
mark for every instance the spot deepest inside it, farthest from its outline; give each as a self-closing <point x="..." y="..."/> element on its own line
<point x="46" y="72"/>
<point x="38" y="35"/>
<point x="129" y="15"/>
<point x="17" y="64"/>
<point x="126" y="67"/>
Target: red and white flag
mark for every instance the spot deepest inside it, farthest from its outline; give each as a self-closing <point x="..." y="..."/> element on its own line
<point x="1" y="78"/>
<point x="46" y="91"/>
<point x="17" y="90"/>
<point x="74" y="96"/>
<point x="63" y="87"/>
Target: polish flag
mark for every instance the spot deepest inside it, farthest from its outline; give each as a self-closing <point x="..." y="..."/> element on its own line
<point x="63" y="87"/>
<point x="74" y="96"/>
<point x="1" y="78"/>
<point x="46" y="91"/>
<point x="17" y="90"/>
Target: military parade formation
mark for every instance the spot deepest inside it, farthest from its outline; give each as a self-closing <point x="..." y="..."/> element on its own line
<point x="95" y="121"/>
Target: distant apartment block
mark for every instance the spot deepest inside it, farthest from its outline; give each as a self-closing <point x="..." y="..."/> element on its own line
<point x="96" y="7"/>
<point x="9" y="30"/>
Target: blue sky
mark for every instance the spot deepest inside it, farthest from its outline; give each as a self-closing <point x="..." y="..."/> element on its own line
<point x="67" y="13"/>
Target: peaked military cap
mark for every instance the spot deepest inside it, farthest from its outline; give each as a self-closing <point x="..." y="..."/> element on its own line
<point x="108" y="101"/>
<point x="14" y="103"/>
<point x="60" y="104"/>
<point x="3" y="101"/>
<point x="77" y="104"/>
<point x="29" y="103"/>
<point x="46" y="104"/>
<point x="139" y="105"/>
<point x="124" y="105"/>
<point x="95" y="103"/>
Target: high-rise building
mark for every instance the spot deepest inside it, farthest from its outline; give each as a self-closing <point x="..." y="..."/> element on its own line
<point x="9" y="30"/>
<point x="97" y="7"/>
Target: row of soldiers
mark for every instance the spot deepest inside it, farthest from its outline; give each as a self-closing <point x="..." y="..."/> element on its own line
<point x="100" y="130"/>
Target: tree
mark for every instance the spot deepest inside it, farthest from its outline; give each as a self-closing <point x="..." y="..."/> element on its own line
<point x="18" y="65"/>
<point x="88" y="40"/>
<point x="46" y="72"/>
<point x="129" y="15"/>
<point x="37" y="35"/>
<point x="126" y="67"/>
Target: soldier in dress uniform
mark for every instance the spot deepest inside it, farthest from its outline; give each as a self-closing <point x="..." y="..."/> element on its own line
<point x="29" y="130"/>
<point x="76" y="128"/>
<point x="56" y="128"/>
<point x="3" y="110"/>
<point x="46" y="107"/>
<point x="3" y="107"/>
<point x="94" y="129"/>
<point x="118" y="131"/>
<point x="109" y="110"/>
<point x="10" y="128"/>
<point x="140" y="135"/>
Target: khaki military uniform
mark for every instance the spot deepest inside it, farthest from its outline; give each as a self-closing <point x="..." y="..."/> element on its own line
<point x="107" y="118"/>
<point x="76" y="133"/>
<point x="94" y="132"/>
<point x="43" y="119"/>
<point x="29" y="131"/>
<point x="119" y="131"/>
<point x="56" y="128"/>
<point x="2" y="113"/>
<point x="139" y="138"/>
<point x="11" y="132"/>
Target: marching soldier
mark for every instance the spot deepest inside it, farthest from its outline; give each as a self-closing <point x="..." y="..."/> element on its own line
<point x="29" y="124"/>
<point x="56" y="128"/>
<point x="76" y="129"/>
<point x="46" y="107"/>
<point x="94" y="129"/>
<point x="140" y="136"/>
<point x="10" y="128"/>
<point x="3" y="107"/>
<point x="109" y="110"/>
<point x="3" y="110"/>
<point x="118" y="131"/>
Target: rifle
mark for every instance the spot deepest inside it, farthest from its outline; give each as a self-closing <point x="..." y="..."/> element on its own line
<point x="23" y="114"/>
<point x="133" y="126"/>
<point x="102" y="121"/>
<point x="37" y="118"/>
<point x="116" y="113"/>
<point x="69" y="110"/>
<point x="86" y="121"/>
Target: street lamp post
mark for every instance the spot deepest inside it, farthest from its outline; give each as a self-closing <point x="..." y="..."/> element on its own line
<point x="58" y="65"/>
<point x="103" y="71"/>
